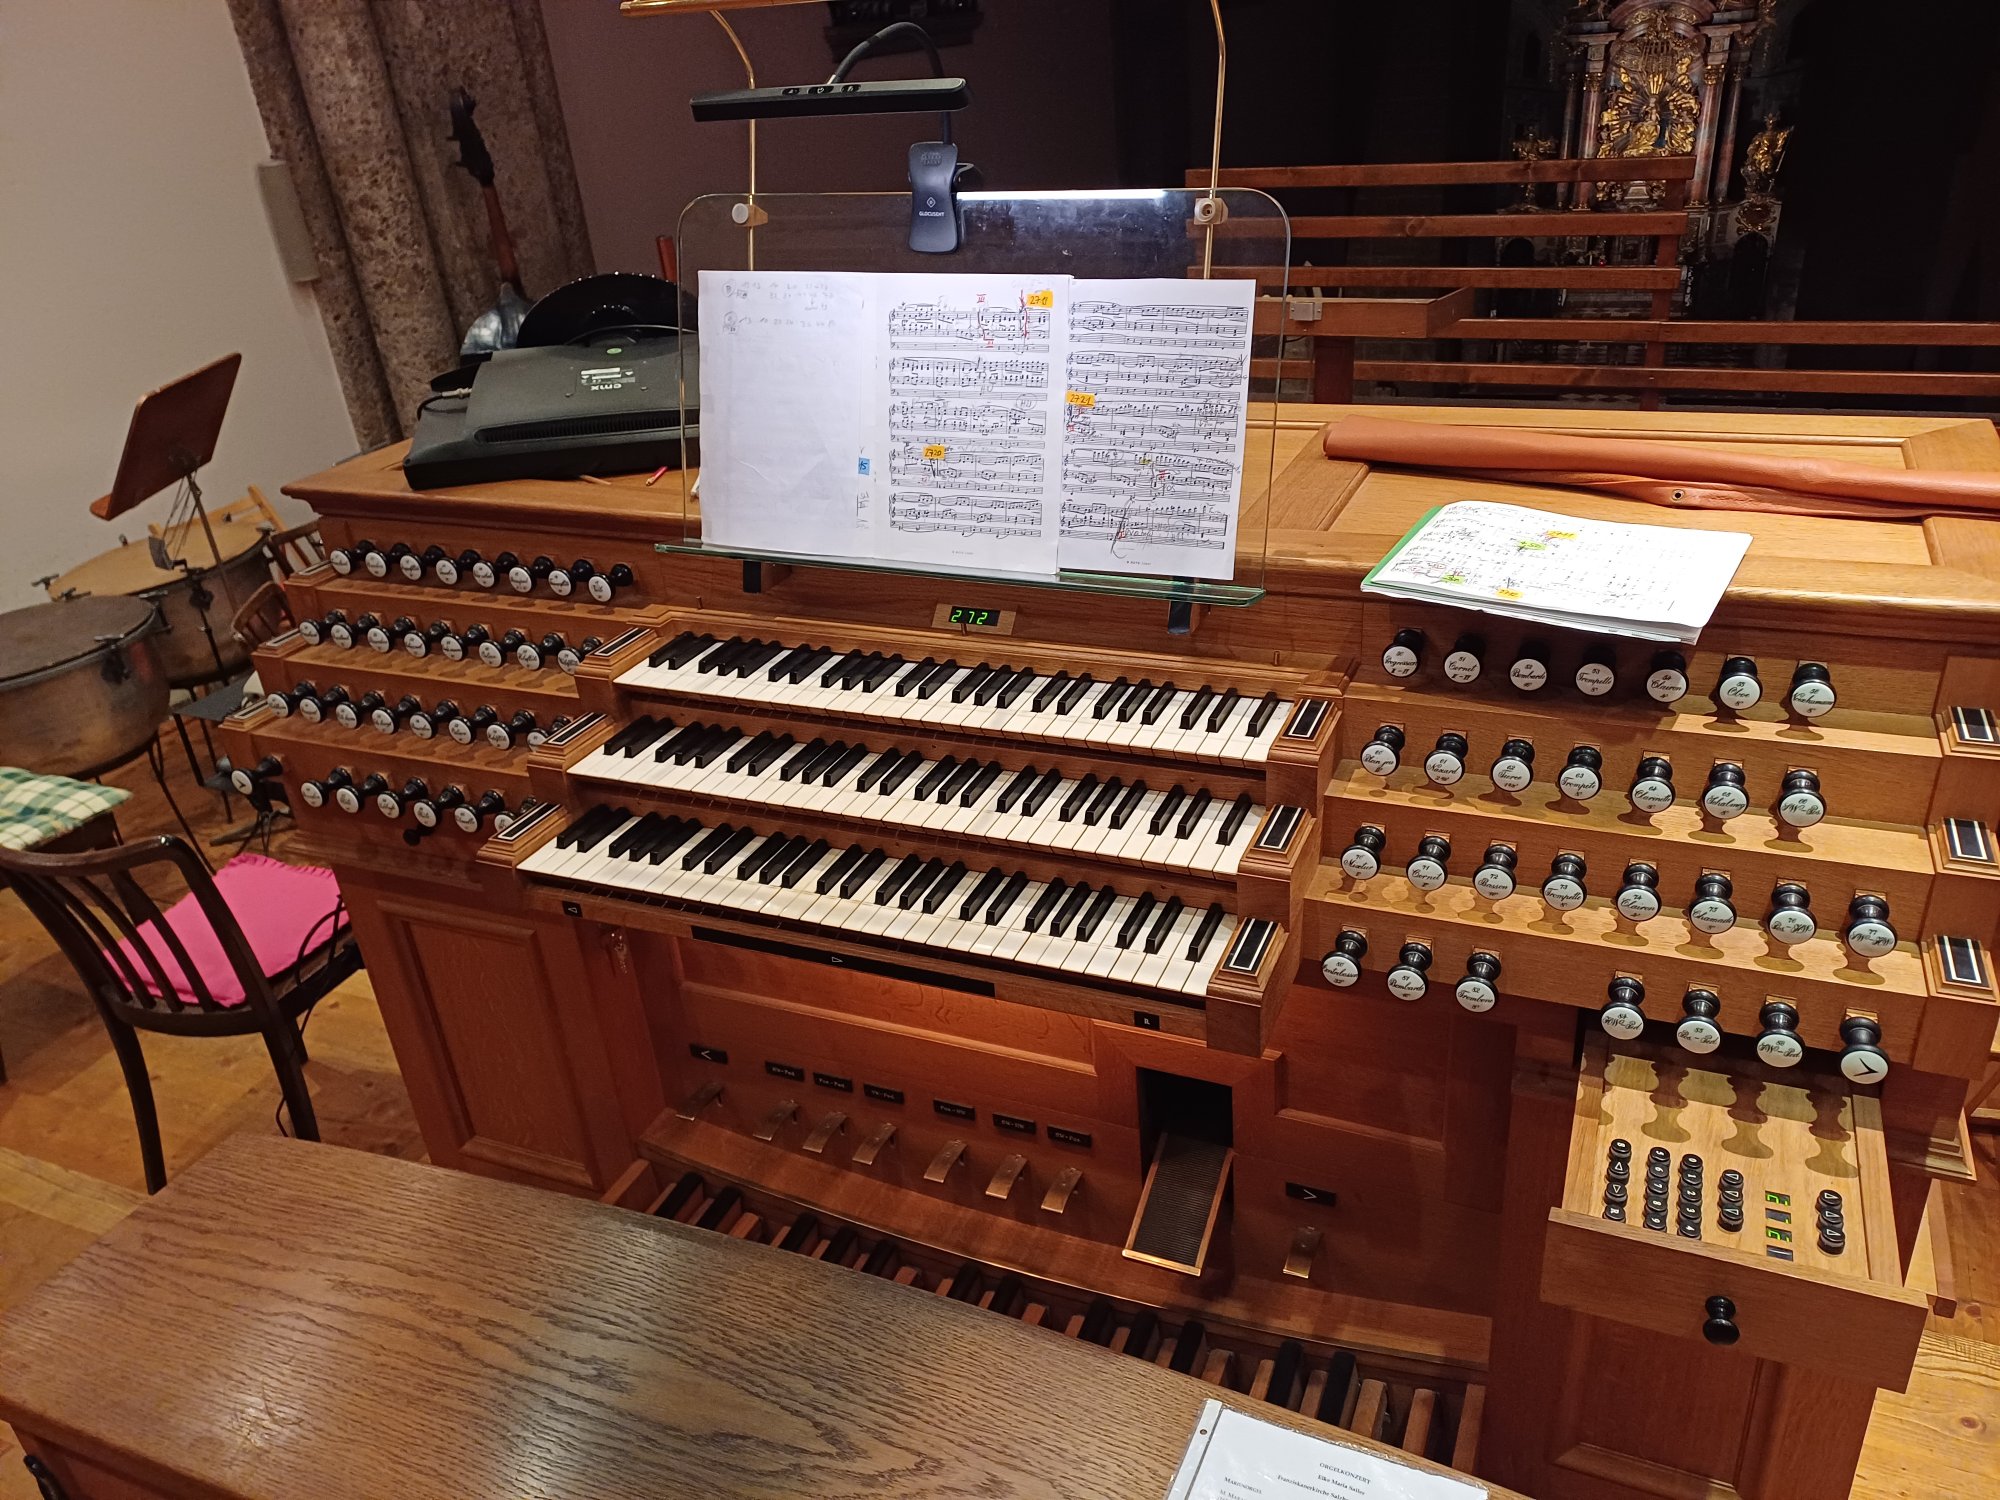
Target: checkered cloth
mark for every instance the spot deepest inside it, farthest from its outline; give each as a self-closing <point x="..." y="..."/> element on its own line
<point x="35" y="808"/>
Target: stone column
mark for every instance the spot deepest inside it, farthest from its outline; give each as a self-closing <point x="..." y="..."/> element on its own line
<point x="1570" y="94"/>
<point x="1593" y="99"/>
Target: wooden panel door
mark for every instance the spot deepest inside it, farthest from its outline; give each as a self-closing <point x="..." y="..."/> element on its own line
<point x="496" y="1019"/>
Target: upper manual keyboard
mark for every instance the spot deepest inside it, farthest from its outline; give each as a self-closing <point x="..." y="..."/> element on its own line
<point x="1144" y="716"/>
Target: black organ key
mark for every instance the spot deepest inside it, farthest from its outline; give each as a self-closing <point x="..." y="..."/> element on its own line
<point x="1044" y="789"/>
<point x="1187" y="1345"/>
<point x="895" y="880"/>
<point x="1049" y="691"/>
<point x="1078" y="796"/>
<point x="1045" y="905"/>
<point x="1191" y="715"/>
<point x="990" y="688"/>
<point x="621" y="846"/>
<point x="1285" y="1372"/>
<point x="792" y="769"/>
<point x="1170" y="913"/>
<point x="857" y="670"/>
<point x="1071" y="905"/>
<point x="763" y="652"/>
<point x="783" y="665"/>
<point x="1232" y="821"/>
<point x="836" y="668"/>
<point x="634" y="737"/>
<point x="1016" y="789"/>
<point x="1135" y="919"/>
<point x="881" y="672"/>
<point x="978" y="786"/>
<point x="707" y="751"/>
<point x="899" y="774"/>
<point x="722" y="655"/>
<point x="1139" y="1333"/>
<point x="685" y="829"/>
<point x="816" y="765"/>
<point x="782" y="861"/>
<point x="956" y="782"/>
<point x="857" y="877"/>
<point x="1158" y="705"/>
<point x="702" y="850"/>
<point x="799" y="868"/>
<point x="810" y="663"/>
<point x="937" y="679"/>
<point x="1073" y="694"/>
<point x="1023" y="680"/>
<point x="876" y="767"/>
<point x="1009" y="894"/>
<point x="1094" y="913"/>
<point x="840" y="1248"/>
<point x="935" y="778"/>
<point x="754" y="860"/>
<point x="846" y="761"/>
<point x="970" y="682"/>
<point x="1108" y="699"/>
<point x="764" y="759"/>
<point x="981" y="893"/>
<point x="1169" y="805"/>
<point x="728" y="849"/>
<point x="1094" y="812"/>
<point x="743" y="754"/>
<point x="691" y="647"/>
<point x="881" y="1260"/>
<point x="1197" y="805"/>
<point x="1333" y="1395"/>
<point x="1135" y="700"/>
<point x="687" y="734"/>
<point x="1266" y="706"/>
<point x="907" y="683"/>
<point x="1100" y="1322"/>
<point x="1127" y="804"/>
<point x="720" y="1207"/>
<point x="966" y="1283"/>
<point x="848" y="859"/>
<point x="1224" y="706"/>
<point x="664" y="655"/>
<point x="1211" y="923"/>
<point x="914" y="888"/>
<point x="944" y="886"/>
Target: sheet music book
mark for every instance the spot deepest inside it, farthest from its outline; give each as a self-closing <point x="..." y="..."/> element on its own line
<point x="1233" y="1456"/>
<point x="993" y="423"/>
<point x="1653" y="583"/>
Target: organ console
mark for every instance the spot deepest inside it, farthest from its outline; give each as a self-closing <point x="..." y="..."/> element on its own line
<point x="1543" y="1049"/>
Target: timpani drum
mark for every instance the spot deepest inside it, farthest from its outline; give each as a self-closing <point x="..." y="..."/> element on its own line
<point x="82" y="683"/>
<point x="196" y="644"/>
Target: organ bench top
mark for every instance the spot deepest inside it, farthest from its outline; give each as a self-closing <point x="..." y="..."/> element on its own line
<point x="1330" y="521"/>
<point x="292" y="1319"/>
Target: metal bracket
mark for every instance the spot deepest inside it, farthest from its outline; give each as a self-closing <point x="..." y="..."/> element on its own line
<point x="1006" y="1175"/>
<point x="699" y="1100"/>
<point x="781" y="1115"/>
<point x="826" y="1130"/>
<point x="1056" y="1199"/>
<point x="949" y="1155"/>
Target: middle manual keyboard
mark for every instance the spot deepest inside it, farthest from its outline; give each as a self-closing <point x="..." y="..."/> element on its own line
<point x="1121" y="817"/>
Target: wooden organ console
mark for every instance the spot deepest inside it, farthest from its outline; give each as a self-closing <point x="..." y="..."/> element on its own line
<point x="1538" y="1051"/>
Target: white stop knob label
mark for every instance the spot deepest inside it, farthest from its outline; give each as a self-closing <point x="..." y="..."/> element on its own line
<point x="1667" y="685"/>
<point x="1780" y="1049"/>
<point x="1811" y="699"/>
<point x="1461" y="667"/>
<point x="1562" y="893"/>
<point x="1696" y="1034"/>
<point x="1339" y="970"/>
<point x="1359" y="864"/>
<point x="345" y="716"/>
<point x="560" y="584"/>
<point x="1444" y="768"/>
<point x="460" y="731"/>
<point x="1637" y="903"/>
<point x="1595" y="679"/>
<point x="1790" y="926"/>
<point x="1863" y="1065"/>
<point x="1711" y="916"/>
<point x="1377" y="758"/>
<point x="1739" y="692"/>
<point x="1652" y="795"/>
<point x="600" y="588"/>
<point x="347" y="800"/>
<point x="1622" y="1022"/>
<point x="1871" y="939"/>
<point x="1406" y="983"/>
<point x="1475" y="994"/>
<point x="489" y="652"/>
<point x="1802" y="809"/>
<point x="1399" y="661"/>
<point x="411" y="566"/>
<point x="1492" y="882"/>
<point x="447" y="573"/>
<point x="1512" y="775"/>
<point x="1579" y="783"/>
<point x="312" y="795"/>
<point x="1426" y="874"/>
<point x="1529" y="675"/>
<point x="482" y="574"/>
<point x="1724" y="801"/>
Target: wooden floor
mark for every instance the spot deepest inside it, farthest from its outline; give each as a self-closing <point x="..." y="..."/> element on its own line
<point x="69" y="1167"/>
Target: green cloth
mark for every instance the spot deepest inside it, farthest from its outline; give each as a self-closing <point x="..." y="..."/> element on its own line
<point x="35" y="808"/>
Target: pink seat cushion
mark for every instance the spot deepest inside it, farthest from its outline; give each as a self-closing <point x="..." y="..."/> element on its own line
<point x="278" y="906"/>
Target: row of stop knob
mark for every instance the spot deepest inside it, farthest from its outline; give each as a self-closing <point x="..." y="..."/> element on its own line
<point x="1739" y="686"/>
<point x="340" y="790"/>
<point x="1623" y="1015"/>
<point x="475" y="642"/>
<point x="1711" y="910"/>
<point x="453" y="568"/>
<point x="336" y="706"/>
<point x="1725" y="794"/>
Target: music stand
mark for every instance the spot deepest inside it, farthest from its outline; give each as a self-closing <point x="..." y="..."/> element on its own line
<point x="173" y="434"/>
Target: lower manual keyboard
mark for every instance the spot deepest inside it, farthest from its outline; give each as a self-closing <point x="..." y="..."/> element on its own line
<point x="1074" y="930"/>
<point x="1171" y="826"/>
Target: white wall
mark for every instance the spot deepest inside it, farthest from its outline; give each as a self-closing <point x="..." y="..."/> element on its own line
<point x="133" y="248"/>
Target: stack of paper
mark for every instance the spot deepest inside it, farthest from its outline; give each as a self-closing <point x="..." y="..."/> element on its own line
<point x="1656" y="583"/>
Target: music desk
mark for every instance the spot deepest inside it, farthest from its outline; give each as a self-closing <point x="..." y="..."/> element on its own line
<point x="290" y="1319"/>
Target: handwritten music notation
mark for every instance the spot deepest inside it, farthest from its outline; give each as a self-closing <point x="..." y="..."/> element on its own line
<point x="1152" y="458"/>
<point x="969" y="375"/>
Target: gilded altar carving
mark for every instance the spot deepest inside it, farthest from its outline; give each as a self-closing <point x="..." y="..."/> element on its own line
<point x="1652" y="82"/>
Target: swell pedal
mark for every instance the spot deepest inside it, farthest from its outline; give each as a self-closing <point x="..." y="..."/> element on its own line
<point x="1180" y="1204"/>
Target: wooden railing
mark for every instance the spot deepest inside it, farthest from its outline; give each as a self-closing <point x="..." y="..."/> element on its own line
<point x="1649" y="356"/>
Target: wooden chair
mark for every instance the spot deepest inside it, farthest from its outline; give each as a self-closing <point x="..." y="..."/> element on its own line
<point x="182" y="969"/>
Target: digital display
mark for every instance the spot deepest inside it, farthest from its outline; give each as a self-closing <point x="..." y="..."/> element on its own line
<point x="972" y="618"/>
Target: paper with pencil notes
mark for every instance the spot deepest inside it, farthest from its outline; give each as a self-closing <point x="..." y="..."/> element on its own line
<point x="1654" y="583"/>
<point x="1233" y="1456"/>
